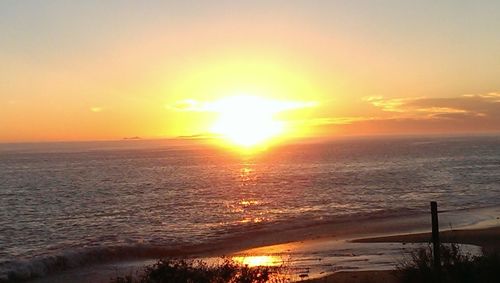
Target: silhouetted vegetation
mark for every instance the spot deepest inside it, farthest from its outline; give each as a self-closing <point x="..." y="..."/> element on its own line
<point x="198" y="271"/>
<point x="456" y="267"/>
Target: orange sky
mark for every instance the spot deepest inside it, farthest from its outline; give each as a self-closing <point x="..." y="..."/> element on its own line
<point x="92" y="70"/>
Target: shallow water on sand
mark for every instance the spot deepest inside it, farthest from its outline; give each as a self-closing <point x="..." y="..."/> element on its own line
<point x="63" y="205"/>
<point x="314" y="259"/>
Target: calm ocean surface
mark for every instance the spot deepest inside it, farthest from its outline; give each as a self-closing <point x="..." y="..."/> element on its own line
<point x="75" y="199"/>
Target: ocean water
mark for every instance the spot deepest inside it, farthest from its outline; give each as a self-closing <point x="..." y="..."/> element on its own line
<point x="65" y="204"/>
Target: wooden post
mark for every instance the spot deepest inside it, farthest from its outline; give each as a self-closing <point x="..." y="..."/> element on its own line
<point x="435" y="238"/>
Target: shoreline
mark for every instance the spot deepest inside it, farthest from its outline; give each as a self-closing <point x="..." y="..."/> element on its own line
<point x="349" y="230"/>
<point x="487" y="238"/>
<point x="306" y="242"/>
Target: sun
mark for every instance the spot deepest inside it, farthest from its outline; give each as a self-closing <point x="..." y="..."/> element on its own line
<point x="247" y="120"/>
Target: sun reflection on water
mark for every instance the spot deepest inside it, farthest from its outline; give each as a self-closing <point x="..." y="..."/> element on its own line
<point x="261" y="260"/>
<point x="246" y="170"/>
<point x="248" y="206"/>
<point x="249" y="202"/>
<point x="254" y="220"/>
<point x="246" y="173"/>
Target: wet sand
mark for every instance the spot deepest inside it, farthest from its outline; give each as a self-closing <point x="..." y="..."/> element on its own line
<point x="488" y="239"/>
<point x="382" y="276"/>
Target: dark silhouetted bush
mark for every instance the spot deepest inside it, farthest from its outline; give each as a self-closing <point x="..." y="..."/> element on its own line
<point x="456" y="267"/>
<point x="197" y="271"/>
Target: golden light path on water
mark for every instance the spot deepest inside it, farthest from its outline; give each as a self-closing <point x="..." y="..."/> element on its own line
<point x="259" y="260"/>
<point x="247" y="176"/>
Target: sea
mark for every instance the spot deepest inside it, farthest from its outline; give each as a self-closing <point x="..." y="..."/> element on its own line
<point x="68" y="204"/>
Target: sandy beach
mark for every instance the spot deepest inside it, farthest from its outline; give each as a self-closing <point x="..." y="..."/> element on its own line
<point x="488" y="239"/>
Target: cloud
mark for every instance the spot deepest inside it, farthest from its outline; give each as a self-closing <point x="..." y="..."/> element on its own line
<point x="236" y="102"/>
<point x="338" y="120"/>
<point x="400" y="115"/>
<point x="390" y="105"/>
<point x="186" y="105"/>
<point x="465" y="113"/>
<point x="492" y="96"/>
<point x="479" y="105"/>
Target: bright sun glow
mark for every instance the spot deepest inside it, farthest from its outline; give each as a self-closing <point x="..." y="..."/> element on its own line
<point x="248" y="120"/>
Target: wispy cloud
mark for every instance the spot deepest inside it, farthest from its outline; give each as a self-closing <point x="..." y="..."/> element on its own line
<point x="339" y="120"/>
<point x="389" y="105"/>
<point x="186" y="105"/>
<point x="479" y="105"/>
<point x="464" y="113"/>
<point x="96" y="109"/>
<point x="269" y="105"/>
